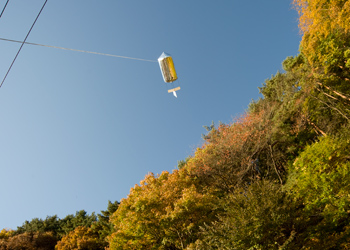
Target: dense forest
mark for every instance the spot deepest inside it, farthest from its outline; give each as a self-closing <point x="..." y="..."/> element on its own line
<point x="278" y="177"/>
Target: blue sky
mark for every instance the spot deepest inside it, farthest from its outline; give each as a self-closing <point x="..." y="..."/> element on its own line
<point x="78" y="129"/>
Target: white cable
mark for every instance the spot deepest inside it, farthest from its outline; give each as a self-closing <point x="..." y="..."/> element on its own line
<point x="77" y="50"/>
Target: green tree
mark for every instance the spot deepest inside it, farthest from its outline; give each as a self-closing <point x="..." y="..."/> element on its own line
<point x="81" y="218"/>
<point x="50" y="224"/>
<point x="319" y="178"/>
<point x="103" y="226"/>
<point x="59" y="227"/>
<point x="259" y="216"/>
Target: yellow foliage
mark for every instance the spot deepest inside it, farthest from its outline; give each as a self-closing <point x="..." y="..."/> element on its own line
<point x="79" y="239"/>
<point x="323" y="16"/>
<point x="5" y="233"/>
<point x="163" y="211"/>
<point x="322" y="22"/>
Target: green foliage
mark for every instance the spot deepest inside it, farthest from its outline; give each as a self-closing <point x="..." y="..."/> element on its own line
<point x="320" y="176"/>
<point x="50" y="224"/>
<point x="59" y="227"/>
<point x="320" y="179"/>
<point x="79" y="231"/>
<point x="81" y="218"/>
<point x="103" y="226"/>
<point x="259" y="216"/>
<point x="182" y="163"/>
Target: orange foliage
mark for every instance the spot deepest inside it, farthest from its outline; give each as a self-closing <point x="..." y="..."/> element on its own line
<point x="225" y="160"/>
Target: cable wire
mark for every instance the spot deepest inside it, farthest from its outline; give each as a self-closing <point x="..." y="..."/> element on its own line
<point x="78" y="50"/>
<point x="4" y="8"/>
<point x="23" y="42"/>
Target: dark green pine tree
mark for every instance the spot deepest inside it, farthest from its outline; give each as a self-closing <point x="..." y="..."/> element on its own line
<point x="102" y="225"/>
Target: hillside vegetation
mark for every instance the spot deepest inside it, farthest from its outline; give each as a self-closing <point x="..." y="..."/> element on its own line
<point x="277" y="177"/>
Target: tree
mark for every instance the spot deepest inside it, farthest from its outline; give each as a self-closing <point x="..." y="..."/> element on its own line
<point x="319" y="178"/>
<point x="236" y="154"/>
<point x="325" y="45"/>
<point x="59" y="227"/>
<point x="81" y="238"/>
<point x="81" y="218"/>
<point x="50" y="224"/>
<point x="29" y="241"/>
<point x="325" y="25"/>
<point x="259" y="216"/>
<point x="103" y="226"/>
<point x="5" y="234"/>
<point x="163" y="212"/>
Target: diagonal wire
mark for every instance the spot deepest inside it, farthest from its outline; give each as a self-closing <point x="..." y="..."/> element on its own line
<point x="78" y="50"/>
<point x="23" y="42"/>
<point x="2" y="12"/>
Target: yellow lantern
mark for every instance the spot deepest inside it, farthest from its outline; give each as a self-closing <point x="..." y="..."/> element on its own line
<point x="167" y="68"/>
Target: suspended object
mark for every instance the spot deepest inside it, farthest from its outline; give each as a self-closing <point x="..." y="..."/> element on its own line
<point x="165" y="61"/>
<point x="167" y="68"/>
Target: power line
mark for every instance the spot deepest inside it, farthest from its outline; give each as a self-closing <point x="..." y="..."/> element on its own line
<point x="23" y="42"/>
<point x="77" y="50"/>
<point x="4" y="8"/>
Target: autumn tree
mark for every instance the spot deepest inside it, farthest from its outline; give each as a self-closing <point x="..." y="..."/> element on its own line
<point x="29" y="241"/>
<point x="325" y="45"/>
<point x="4" y="236"/>
<point x="6" y="233"/>
<point x="262" y="142"/>
<point x="81" y="238"/>
<point x="325" y="25"/>
<point x="163" y="212"/>
<point x="237" y="153"/>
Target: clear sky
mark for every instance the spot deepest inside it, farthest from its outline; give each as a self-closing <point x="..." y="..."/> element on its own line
<point x="78" y="129"/>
